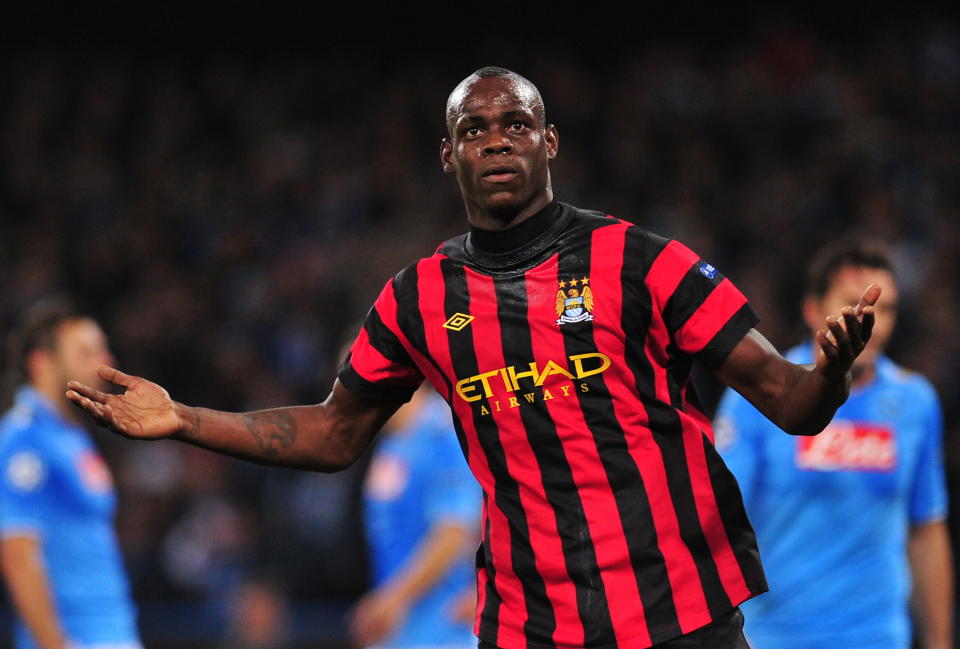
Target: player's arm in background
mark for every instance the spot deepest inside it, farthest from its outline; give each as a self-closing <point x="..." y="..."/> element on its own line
<point x="23" y="491"/>
<point x="802" y="399"/>
<point x="931" y="561"/>
<point x="26" y="578"/>
<point x="453" y="508"/>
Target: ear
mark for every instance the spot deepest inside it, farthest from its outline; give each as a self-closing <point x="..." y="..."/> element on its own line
<point x="446" y="155"/>
<point x="813" y="314"/>
<point x="552" y="138"/>
<point x="38" y="363"/>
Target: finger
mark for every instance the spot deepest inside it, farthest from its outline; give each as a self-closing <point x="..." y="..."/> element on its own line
<point x="852" y="325"/>
<point x="869" y="297"/>
<point x="87" y="391"/>
<point x="845" y="353"/>
<point x="829" y="349"/>
<point x="839" y="334"/>
<point x="866" y="324"/>
<point x="92" y="408"/>
<point x="115" y="376"/>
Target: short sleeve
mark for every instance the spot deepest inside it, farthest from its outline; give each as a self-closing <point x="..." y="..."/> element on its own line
<point x="703" y="312"/>
<point x="378" y="368"/>
<point x="928" y="497"/>
<point x="24" y="491"/>
<point x="738" y="430"/>
<point x="453" y="494"/>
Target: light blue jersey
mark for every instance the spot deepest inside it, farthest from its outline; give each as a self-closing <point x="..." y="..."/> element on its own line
<point x="832" y="512"/>
<point x="418" y="478"/>
<point x="55" y="486"/>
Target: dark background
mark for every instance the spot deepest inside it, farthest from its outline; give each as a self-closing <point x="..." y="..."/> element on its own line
<point x="227" y="194"/>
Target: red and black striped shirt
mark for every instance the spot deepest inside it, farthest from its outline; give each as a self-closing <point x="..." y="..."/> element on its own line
<point x="609" y="520"/>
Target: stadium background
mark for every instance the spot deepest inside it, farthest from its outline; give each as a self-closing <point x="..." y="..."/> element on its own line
<point x="229" y="213"/>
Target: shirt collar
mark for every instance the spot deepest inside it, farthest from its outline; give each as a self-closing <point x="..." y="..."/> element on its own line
<point x="30" y="397"/>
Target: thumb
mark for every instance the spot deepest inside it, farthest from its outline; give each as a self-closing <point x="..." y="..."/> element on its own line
<point x="115" y="376"/>
<point x="869" y="297"/>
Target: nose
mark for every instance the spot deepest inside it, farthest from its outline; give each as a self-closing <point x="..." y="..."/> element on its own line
<point x="496" y="143"/>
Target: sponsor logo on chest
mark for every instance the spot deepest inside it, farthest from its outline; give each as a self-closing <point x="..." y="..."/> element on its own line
<point x="848" y="446"/>
<point x="93" y="472"/>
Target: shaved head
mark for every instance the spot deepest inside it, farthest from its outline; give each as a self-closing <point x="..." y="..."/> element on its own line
<point x="521" y="87"/>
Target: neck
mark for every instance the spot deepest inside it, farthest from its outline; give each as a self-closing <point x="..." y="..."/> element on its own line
<point x="863" y="373"/>
<point x="482" y="217"/>
<point x="53" y="391"/>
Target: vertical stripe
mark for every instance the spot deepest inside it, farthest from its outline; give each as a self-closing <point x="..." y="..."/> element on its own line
<point x="524" y="463"/>
<point x="709" y="513"/>
<point x="413" y="342"/>
<point x="618" y="587"/>
<point x="646" y="342"/>
<point x="488" y="602"/>
<point x="608" y="245"/>
<point x="432" y="297"/>
<point x="526" y="591"/>
<point x="665" y="274"/>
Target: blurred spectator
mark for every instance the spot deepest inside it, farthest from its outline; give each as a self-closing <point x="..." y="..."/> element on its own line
<point x="58" y="551"/>
<point x="258" y="616"/>
<point x="846" y="518"/>
<point x="422" y="517"/>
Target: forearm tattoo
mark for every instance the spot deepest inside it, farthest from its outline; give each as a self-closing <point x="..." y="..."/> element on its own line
<point x="273" y="430"/>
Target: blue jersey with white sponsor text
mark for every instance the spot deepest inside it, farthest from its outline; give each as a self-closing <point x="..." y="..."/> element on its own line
<point x="832" y="512"/>
<point x="418" y="478"/>
<point x="55" y="487"/>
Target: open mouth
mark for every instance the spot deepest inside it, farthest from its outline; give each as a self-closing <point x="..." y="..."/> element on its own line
<point x="500" y="174"/>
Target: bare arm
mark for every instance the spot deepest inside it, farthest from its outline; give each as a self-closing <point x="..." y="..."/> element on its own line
<point x="325" y="437"/>
<point x="932" y="566"/>
<point x="381" y="610"/>
<point x="802" y="399"/>
<point x="26" y="579"/>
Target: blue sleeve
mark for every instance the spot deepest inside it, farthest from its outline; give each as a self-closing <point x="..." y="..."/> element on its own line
<point x="738" y="430"/>
<point x="928" y="496"/>
<point x="25" y="489"/>
<point x="453" y="494"/>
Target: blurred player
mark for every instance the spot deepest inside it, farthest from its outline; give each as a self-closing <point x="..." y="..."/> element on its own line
<point x="838" y="515"/>
<point x="422" y="512"/>
<point x="58" y="550"/>
<point x="563" y="340"/>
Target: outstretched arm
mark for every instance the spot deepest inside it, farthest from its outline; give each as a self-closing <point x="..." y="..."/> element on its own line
<point x="21" y="560"/>
<point x="328" y="436"/>
<point x="802" y="399"/>
<point x="931" y="565"/>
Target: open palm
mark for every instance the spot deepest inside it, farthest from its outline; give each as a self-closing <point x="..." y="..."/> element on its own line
<point x="144" y="411"/>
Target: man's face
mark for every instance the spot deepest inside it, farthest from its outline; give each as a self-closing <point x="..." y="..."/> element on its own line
<point x="846" y="287"/>
<point x="499" y="147"/>
<point x="81" y="347"/>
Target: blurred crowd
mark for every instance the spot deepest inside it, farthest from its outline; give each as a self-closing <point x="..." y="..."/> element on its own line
<point x="230" y="218"/>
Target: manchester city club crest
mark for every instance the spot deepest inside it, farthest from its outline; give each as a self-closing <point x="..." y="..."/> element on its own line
<point x="574" y="301"/>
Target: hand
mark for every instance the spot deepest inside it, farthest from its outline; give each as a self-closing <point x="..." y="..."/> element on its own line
<point x="848" y="335"/>
<point x="376" y="616"/>
<point x="143" y="411"/>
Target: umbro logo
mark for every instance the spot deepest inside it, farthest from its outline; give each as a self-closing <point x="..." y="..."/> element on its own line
<point x="458" y="321"/>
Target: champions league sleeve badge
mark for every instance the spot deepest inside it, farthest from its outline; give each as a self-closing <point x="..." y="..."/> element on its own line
<point x="574" y="301"/>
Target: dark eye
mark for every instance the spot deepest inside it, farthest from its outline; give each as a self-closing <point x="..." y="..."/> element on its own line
<point x="517" y="126"/>
<point x="472" y="131"/>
